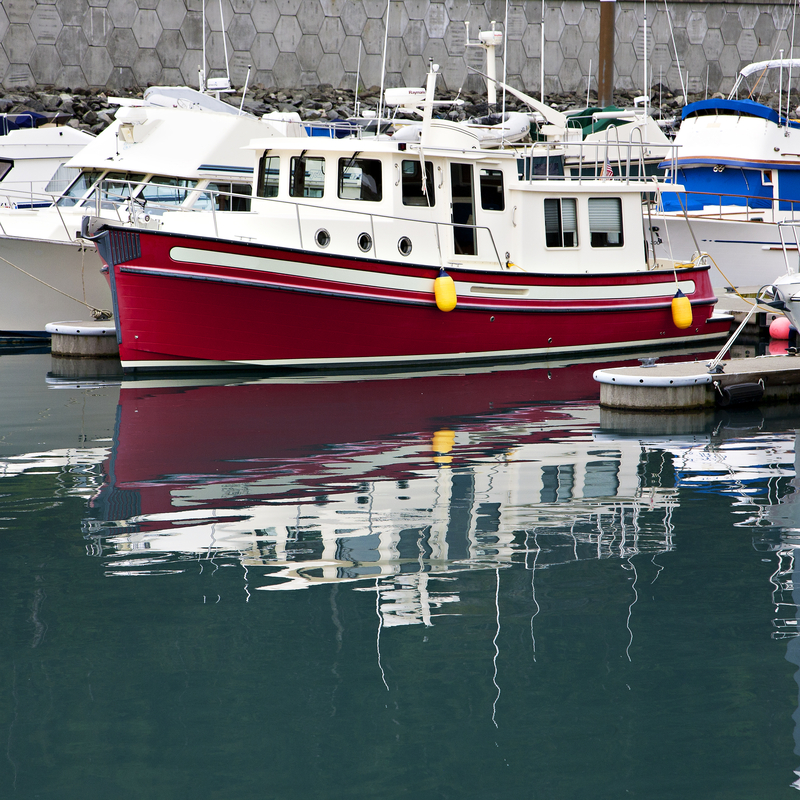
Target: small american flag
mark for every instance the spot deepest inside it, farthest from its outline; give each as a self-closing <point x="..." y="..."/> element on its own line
<point x="608" y="172"/>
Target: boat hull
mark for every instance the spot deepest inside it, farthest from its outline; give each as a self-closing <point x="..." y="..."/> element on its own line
<point x="47" y="281"/>
<point x="186" y="301"/>
<point x="746" y="254"/>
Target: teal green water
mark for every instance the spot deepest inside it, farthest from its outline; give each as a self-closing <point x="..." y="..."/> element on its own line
<point x="454" y="586"/>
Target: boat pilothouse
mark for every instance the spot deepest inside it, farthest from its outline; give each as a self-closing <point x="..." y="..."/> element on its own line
<point x="340" y="260"/>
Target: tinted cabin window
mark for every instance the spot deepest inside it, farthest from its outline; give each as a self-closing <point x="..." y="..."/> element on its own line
<point x="360" y="179"/>
<point x="116" y="188"/>
<point x="461" y="182"/>
<point x="230" y="196"/>
<point x="605" y="221"/>
<point x="268" y="174"/>
<point x="560" y="222"/>
<point x="165" y="191"/>
<point x="492" y="196"/>
<point x="79" y="188"/>
<point x="413" y="194"/>
<point x="307" y="177"/>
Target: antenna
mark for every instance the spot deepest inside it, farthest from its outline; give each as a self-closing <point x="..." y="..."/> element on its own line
<point x="383" y="66"/>
<point x="541" y="58"/>
<point x="224" y="44"/>
<point x="244" y="91"/>
<point x="203" y="66"/>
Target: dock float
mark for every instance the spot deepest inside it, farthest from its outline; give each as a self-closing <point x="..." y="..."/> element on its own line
<point x="696" y="384"/>
<point x="83" y="339"/>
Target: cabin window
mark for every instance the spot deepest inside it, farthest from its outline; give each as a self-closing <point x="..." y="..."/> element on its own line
<point x="560" y="222"/>
<point x="226" y="196"/>
<point x="116" y="188"/>
<point x="307" y="177"/>
<point x="360" y="179"/>
<point x="268" y="174"/>
<point x="79" y="187"/>
<point x="6" y="165"/>
<point x="163" y="191"/>
<point x="492" y="195"/>
<point x="605" y="221"/>
<point x="766" y="177"/>
<point x="413" y="193"/>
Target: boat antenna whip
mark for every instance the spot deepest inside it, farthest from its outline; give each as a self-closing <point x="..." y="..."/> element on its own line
<point x="244" y="90"/>
<point x="383" y="66"/>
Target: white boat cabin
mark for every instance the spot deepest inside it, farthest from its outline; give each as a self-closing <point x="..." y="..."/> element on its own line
<point x="476" y="208"/>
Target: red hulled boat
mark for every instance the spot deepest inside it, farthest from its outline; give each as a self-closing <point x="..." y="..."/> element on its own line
<point x="386" y="252"/>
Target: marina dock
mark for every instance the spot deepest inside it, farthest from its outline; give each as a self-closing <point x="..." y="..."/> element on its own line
<point x="690" y="384"/>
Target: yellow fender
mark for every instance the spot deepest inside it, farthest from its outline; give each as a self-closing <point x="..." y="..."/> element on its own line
<point x="444" y="290"/>
<point x="681" y="310"/>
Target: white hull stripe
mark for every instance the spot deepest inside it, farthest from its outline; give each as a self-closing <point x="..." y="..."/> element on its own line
<point x="377" y="280"/>
<point x="432" y="358"/>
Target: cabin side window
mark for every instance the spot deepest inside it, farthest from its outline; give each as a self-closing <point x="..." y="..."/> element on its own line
<point x="414" y="194"/>
<point x="560" y="222"/>
<point x="230" y="196"/>
<point x="492" y="195"/>
<point x="166" y="191"/>
<point x="605" y="221"/>
<point x="307" y="177"/>
<point x="268" y="176"/>
<point x="360" y="179"/>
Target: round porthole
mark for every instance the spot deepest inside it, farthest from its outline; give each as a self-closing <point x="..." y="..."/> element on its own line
<point x="364" y="242"/>
<point x="322" y="237"/>
<point x="404" y="245"/>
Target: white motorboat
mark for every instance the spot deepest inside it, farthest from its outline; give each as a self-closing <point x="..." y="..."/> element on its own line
<point x="739" y="163"/>
<point x="161" y="152"/>
<point x="32" y="157"/>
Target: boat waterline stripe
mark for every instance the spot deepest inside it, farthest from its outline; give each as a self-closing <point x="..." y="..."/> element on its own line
<point x="404" y="283"/>
<point x="437" y="357"/>
<point x="566" y="305"/>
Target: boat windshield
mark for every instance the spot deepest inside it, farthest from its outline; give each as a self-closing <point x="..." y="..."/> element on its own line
<point x="115" y="188"/>
<point x="163" y="191"/>
<point x="76" y="192"/>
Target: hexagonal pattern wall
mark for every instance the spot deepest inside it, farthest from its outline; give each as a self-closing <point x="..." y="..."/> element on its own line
<point x="291" y="44"/>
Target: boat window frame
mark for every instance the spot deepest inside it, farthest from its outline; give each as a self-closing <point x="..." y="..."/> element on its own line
<point x="600" y="229"/>
<point x="370" y="180"/>
<point x="68" y="199"/>
<point x="263" y="173"/>
<point x="561" y="233"/>
<point x="411" y="186"/>
<point x="487" y="190"/>
<point x="298" y="182"/>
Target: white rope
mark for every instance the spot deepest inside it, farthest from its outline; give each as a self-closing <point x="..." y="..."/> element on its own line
<point x="97" y="313"/>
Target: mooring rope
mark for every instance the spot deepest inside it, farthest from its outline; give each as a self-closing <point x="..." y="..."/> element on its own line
<point x="97" y="313"/>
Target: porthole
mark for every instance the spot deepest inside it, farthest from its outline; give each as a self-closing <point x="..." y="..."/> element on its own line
<point x="322" y="237"/>
<point x="364" y="242"/>
<point x="404" y="246"/>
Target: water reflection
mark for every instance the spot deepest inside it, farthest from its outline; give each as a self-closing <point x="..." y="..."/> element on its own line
<point x="490" y="563"/>
<point x="401" y="481"/>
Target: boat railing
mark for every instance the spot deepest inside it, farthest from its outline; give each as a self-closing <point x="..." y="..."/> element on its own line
<point x="770" y="208"/>
<point x="611" y="158"/>
<point x="21" y="194"/>
<point x="790" y="240"/>
<point x="309" y="220"/>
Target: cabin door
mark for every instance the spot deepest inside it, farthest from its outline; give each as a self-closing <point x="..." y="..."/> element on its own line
<point x="463" y="206"/>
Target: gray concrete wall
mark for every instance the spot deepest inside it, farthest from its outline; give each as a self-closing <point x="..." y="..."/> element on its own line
<point x="114" y="44"/>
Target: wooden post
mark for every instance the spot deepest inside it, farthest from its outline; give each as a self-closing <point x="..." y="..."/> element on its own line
<point x="605" y="70"/>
